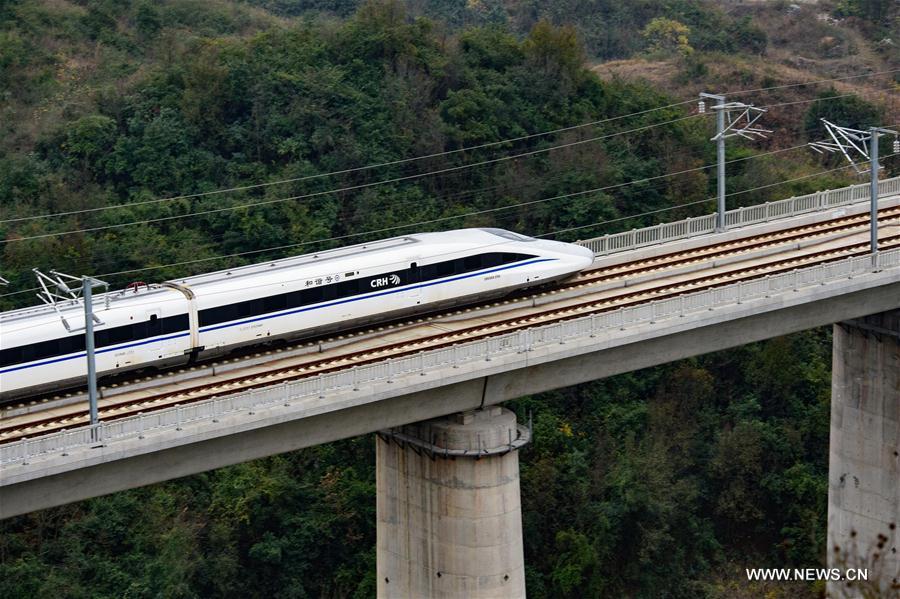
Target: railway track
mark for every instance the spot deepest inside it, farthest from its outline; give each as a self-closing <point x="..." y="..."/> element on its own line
<point x="590" y="302"/>
<point x="648" y="266"/>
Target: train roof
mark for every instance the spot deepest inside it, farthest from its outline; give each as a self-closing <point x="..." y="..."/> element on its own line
<point x="421" y="246"/>
<point x="323" y="257"/>
<point x="74" y="308"/>
<point x="437" y="242"/>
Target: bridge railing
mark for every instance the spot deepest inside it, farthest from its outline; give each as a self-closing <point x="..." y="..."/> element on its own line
<point x="306" y="393"/>
<point x="739" y="217"/>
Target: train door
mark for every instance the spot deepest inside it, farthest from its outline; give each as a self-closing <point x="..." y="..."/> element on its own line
<point x="138" y="353"/>
<point x="160" y="348"/>
<point x="155" y="349"/>
<point x="414" y="293"/>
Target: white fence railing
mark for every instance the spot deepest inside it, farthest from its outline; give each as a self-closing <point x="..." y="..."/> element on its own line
<point x="739" y="217"/>
<point x="316" y="387"/>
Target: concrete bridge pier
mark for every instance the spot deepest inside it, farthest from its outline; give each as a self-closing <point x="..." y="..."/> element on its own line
<point x="448" y="505"/>
<point x="864" y="455"/>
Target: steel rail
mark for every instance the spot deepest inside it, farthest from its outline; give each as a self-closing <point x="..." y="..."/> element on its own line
<point x="353" y="379"/>
<point x="400" y="349"/>
<point x="589" y="277"/>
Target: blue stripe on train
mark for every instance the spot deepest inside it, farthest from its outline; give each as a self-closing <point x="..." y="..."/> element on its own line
<point x="371" y="295"/>
<point x="280" y="314"/>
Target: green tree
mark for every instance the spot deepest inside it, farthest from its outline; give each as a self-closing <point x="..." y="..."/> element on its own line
<point x="667" y="36"/>
<point x="88" y="142"/>
<point x="147" y="19"/>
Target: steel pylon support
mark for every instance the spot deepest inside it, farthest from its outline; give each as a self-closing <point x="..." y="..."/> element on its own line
<point x="851" y="142"/>
<point x="59" y="288"/>
<point x="732" y="119"/>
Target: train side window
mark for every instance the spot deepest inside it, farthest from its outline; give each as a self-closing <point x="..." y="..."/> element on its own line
<point x="244" y="309"/>
<point x="444" y="268"/>
<point x="227" y="313"/>
<point x="42" y="350"/>
<point x="346" y="289"/>
<point x="120" y="334"/>
<point x="175" y="324"/>
<point x="275" y="303"/>
<point x="211" y="316"/>
<point x="30" y="352"/>
<point x="312" y="296"/>
<point x="101" y="338"/>
<point x="509" y="257"/>
<point x="68" y="345"/>
<point x="154" y="326"/>
<point x="13" y="355"/>
<point x="491" y="259"/>
<point x="294" y="299"/>
<point x="428" y="272"/>
<point x="471" y="263"/>
<point x="140" y="330"/>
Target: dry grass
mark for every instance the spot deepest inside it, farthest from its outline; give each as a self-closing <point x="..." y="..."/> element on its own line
<point x="805" y="44"/>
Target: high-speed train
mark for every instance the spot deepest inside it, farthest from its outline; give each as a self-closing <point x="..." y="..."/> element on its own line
<point x="207" y="315"/>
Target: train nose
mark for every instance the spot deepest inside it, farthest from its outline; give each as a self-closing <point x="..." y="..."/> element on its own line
<point x="582" y="253"/>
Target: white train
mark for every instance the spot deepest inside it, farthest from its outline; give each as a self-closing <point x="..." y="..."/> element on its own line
<point x="207" y="315"/>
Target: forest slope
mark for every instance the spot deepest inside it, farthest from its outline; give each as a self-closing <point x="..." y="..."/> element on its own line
<point x="663" y="483"/>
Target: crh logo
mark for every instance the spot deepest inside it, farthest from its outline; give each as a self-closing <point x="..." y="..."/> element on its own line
<point x="386" y="280"/>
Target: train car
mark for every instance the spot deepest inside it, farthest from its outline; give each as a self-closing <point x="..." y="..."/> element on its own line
<point x="39" y="352"/>
<point x="200" y="317"/>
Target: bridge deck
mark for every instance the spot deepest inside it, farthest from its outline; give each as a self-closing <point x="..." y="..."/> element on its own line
<point x="632" y="310"/>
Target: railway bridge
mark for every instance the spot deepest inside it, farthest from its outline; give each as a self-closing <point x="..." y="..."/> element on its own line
<point x="449" y="518"/>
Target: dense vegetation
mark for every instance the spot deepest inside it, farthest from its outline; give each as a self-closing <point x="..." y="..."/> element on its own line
<point x="649" y="484"/>
<point x="641" y="485"/>
<point x="147" y="108"/>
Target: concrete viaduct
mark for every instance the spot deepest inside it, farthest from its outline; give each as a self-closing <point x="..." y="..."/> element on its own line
<point x="448" y="508"/>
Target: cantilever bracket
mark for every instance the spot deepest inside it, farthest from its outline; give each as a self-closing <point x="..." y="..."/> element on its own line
<point x="740" y="120"/>
<point x="848" y="142"/>
<point x="56" y="290"/>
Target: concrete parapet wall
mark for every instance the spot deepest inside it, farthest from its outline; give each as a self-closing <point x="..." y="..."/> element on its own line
<point x="81" y="472"/>
<point x="864" y="456"/>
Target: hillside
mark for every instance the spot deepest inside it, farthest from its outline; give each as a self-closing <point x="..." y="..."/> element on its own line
<point x="132" y="116"/>
<point x="806" y="42"/>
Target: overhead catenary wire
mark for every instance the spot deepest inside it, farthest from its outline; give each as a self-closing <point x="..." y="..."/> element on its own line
<point x="596" y="190"/>
<point x="497" y="209"/>
<point x="657" y="185"/>
<point x="374" y="183"/>
<point x="370" y="232"/>
<point x="340" y="238"/>
<point x="436" y="154"/>
<point x="823" y="99"/>
<point x="816" y="82"/>
<point x="354" y="169"/>
<point x="350" y="187"/>
<point x="801" y="178"/>
<point x="510" y="157"/>
<point x="431" y="221"/>
<point x="408" y="225"/>
<point x="733" y="193"/>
